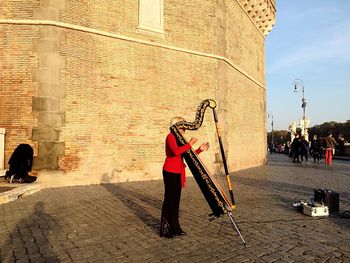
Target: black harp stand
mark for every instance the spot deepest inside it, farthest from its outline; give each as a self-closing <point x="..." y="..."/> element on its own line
<point x="229" y="213"/>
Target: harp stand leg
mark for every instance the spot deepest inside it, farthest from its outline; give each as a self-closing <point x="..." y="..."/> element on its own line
<point x="236" y="228"/>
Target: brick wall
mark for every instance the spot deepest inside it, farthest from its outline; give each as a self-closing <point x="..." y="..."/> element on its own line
<point x="16" y="86"/>
<point x="98" y="107"/>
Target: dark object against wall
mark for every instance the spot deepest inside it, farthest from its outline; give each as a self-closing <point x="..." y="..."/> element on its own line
<point x="21" y="162"/>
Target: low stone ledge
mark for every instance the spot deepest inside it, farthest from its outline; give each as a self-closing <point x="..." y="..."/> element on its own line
<point x="20" y="191"/>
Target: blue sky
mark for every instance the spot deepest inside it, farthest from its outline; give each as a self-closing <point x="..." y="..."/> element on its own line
<point x="310" y="41"/>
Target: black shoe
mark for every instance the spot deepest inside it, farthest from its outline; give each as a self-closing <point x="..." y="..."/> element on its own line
<point x="181" y="233"/>
<point x="168" y="235"/>
<point x="162" y="227"/>
<point x="165" y="229"/>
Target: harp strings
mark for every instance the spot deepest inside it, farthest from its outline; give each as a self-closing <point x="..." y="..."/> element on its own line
<point x="218" y="181"/>
<point x="218" y="177"/>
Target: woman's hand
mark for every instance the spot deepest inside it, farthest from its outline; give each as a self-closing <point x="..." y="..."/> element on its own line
<point x="204" y="146"/>
<point x="193" y="141"/>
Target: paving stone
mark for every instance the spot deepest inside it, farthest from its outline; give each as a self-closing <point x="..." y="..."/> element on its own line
<point x="287" y="260"/>
<point x="120" y="222"/>
<point x="22" y="260"/>
<point x="335" y="260"/>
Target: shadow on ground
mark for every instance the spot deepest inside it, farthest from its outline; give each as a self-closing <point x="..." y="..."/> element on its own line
<point x="34" y="245"/>
<point x="138" y="204"/>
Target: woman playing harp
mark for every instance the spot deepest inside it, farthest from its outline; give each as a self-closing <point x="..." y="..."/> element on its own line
<point x="174" y="179"/>
<point x="177" y="149"/>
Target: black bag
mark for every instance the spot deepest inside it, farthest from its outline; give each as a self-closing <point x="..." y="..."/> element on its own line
<point x="327" y="197"/>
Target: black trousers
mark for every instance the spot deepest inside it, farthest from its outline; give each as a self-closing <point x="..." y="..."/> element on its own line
<point x="296" y="156"/>
<point x="171" y="204"/>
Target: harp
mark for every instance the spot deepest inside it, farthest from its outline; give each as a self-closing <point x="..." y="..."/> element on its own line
<point x="216" y="197"/>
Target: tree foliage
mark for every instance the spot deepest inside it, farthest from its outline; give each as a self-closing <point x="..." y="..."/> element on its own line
<point x="279" y="137"/>
<point x="338" y="129"/>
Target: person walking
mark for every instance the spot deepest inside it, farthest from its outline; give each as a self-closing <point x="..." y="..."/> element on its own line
<point x="321" y="150"/>
<point x="304" y="150"/>
<point x="315" y="149"/>
<point x="329" y="145"/>
<point x="296" y="148"/>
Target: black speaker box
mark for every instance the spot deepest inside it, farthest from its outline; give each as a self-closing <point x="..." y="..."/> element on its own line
<point x="327" y="197"/>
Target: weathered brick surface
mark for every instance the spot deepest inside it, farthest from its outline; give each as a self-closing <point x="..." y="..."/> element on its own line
<point x="16" y="86"/>
<point x="112" y="99"/>
<point x="119" y="222"/>
<point x="23" y="9"/>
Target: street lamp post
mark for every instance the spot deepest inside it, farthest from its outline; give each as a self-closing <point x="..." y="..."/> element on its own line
<point x="297" y="82"/>
<point x="272" y="135"/>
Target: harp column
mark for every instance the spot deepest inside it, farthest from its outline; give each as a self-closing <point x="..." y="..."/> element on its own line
<point x="221" y="89"/>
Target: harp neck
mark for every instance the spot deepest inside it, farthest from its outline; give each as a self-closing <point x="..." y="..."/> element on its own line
<point x="197" y="123"/>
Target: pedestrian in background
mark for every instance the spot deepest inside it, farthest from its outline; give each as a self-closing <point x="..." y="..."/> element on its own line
<point x="315" y="149"/>
<point x="296" y="148"/>
<point x="304" y="150"/>
<point x="329" y="145"/>
<point x="321" y="150"/>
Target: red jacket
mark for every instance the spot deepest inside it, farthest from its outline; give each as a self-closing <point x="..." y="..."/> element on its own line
<point x="173" y="162"/>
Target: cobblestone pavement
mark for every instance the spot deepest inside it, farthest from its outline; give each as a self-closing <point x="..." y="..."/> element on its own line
<point x="120" y="222"/>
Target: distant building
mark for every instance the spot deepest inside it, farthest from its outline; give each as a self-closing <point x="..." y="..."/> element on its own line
<point x="92" y="85"/>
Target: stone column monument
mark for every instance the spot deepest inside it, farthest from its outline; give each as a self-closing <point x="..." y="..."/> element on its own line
<point x="303" y="127"/>
<point x="293" y="130"/>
